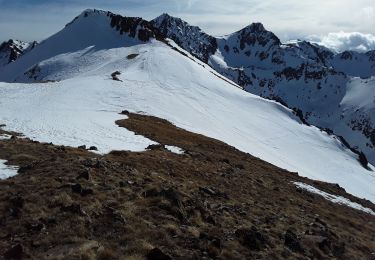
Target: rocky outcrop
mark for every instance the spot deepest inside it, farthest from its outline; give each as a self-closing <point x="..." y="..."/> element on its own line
<point x="11" y="50"/>
<point x="191" y="38"/>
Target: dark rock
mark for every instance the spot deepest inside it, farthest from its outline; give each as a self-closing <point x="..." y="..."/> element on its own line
<point x="115" y="75"/>
<point x="61" y="148"/>
<point x="86" y="192"/>
<point x="37" y="226"/>
<point x="325" y="245"/>
<point x="363" y="160"/>
<point x="155" y="147"/>
<point x="209" y="191"/>
<point x="153" y="192"/>
<point x="92" y="163"/>
<point x="26" y="168"/>
<point x="251" y="238"/>
<point x="291" y="241"/>
<point x="93" y="148"/>
<point x="77" y="188"/>
<point x="14" y="253"/>
<point x="16" y="204"/>
<point x="83" y="147"/>
<point x="125" y="112"/>
<point x="338" y="249"/>
<point x="157" y="254"/>
<point x="240" y="166"/>
<point x="84" y="175"/>
<point x="74" y="208"/>
<point x="132" y="56"/>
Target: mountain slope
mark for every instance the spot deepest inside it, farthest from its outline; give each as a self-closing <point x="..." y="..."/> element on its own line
<point x="91" y="31"/>
<point x="157" y="80"/>
<point x="306" y="77"/>
<point x="186" y="204"/>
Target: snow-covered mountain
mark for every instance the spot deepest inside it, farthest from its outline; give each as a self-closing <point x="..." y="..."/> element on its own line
<point x="79" y="36"/>
<point x="13" y="49"/>
<point x="310" y="79"/>
<point x="74" y="99"/>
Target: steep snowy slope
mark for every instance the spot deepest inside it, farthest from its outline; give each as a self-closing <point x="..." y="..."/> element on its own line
<point x="306" y="77"/>
<point x="157" y="80"/>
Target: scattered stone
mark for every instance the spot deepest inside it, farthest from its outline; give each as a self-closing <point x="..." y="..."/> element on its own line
<point x="84" y="175"/>
<point x="155" y="147"/>
<point x="61" y="148"/>
<point x="132" y="56"/>
<point x="37" y="226"/>
<point x="73" y="208"/>
<point x="92" y="163"/>
<point x="251" y="238"/>
<point x="115" y="75"/>
<point x="16" y="204"/>
<point x="26" y="168"/>
<point x="77" y="188"/>
<point x="338" y="249"/>
<point x="157" y="254"/>
<point x="93" y="148"/>
<point x="240" y="166"/>
<point x="14" y="253"/>
<point x="291" y="241"/>
<point x="209" y="191"/>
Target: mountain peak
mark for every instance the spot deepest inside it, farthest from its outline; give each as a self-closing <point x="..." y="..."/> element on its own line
<point x="254" y="33"/>
<point x="255" y="27"/>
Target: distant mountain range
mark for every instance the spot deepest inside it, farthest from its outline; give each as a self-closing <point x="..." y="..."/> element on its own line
<point x="314" y="81"/>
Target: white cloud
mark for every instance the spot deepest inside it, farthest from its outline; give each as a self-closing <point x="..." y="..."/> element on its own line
<point x="342" y="41"/>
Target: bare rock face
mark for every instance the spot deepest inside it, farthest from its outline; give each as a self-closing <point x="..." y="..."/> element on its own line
<point x="134" y="27"/>
<point x="191" y="38"/>
<point x="11" y="50"/>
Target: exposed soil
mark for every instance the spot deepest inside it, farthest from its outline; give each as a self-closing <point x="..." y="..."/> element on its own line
<point x="211" y="202"/>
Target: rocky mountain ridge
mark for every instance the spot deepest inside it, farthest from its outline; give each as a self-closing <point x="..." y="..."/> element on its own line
<point x="306" y="77"/>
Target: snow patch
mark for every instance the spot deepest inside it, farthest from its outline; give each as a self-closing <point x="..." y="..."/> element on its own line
<point x="5" y="137"/>
<point x="334" y="198"/>
<point x="174" y="149"/>
<point x="7" y="171"/>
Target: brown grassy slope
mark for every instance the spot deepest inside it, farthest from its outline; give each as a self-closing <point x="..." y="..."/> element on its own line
<point x="212" y="202"/>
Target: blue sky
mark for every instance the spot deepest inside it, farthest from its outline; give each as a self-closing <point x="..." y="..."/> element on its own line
<point x="289" y="19"/>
